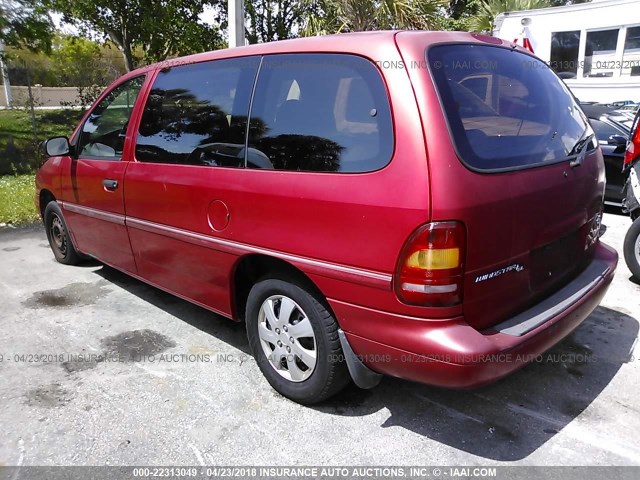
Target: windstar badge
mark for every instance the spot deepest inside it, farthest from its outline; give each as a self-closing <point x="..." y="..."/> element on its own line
<point x="516" y="267"/>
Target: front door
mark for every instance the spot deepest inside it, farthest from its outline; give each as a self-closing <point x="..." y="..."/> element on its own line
<point x="93" y="200"/>
<point x="184" y="185"/>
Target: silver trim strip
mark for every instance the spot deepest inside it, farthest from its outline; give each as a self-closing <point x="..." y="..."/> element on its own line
<point x="374" y="279"/>
<point x="94" y="213"/>
<point x="555" y="304"/>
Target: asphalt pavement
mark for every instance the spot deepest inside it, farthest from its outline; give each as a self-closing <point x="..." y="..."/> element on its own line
<point x="99" y="368"/>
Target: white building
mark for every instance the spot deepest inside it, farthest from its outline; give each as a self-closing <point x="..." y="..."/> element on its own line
<point x="594" y="46"/>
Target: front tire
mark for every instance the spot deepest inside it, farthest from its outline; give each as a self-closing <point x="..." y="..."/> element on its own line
<point x="294" y="340"/>
<point x="58" y="236"/>
<point x="632" y="248"/>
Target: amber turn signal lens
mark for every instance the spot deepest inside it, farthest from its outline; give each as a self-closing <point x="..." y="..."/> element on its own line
<point x="434" y="259"/>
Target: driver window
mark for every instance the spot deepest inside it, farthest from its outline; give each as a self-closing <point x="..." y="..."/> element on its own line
<point x="104" y="131"/>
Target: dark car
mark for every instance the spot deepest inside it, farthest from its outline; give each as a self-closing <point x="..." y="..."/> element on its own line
<point x="612" y="128"/>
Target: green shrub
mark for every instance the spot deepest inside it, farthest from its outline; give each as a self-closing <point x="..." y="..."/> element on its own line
<point x="20" y="149"/>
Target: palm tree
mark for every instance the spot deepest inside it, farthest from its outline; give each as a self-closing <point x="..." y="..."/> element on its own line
<point x="489" y="9"/>
<point x="333" y="16"/>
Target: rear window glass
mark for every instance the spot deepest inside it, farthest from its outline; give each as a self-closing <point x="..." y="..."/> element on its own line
<point x="505" y="109"/>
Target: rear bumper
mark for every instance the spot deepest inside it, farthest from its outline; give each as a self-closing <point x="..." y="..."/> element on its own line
<point x="450" y="353"/>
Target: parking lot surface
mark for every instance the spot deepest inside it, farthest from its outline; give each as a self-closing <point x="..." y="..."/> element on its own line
<point x="99" y="368"/>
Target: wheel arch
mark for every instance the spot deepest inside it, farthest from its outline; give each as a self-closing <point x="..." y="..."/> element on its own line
<point x="46" y="197"/>
<point x="251" y="268"/>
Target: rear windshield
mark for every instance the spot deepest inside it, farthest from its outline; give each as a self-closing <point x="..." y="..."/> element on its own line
<point x="505" y="109"/>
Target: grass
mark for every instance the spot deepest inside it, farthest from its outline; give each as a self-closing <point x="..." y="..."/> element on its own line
<point x="20" y="156"/>
<point x="16" y="199"/>
<point x="19" y="147"/>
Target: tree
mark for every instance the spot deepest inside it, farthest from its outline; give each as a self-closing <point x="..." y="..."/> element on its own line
<point x="72" y="62"/>
<point x="330" y="16"/>
<point x="459" y="14"/>
<point x="25" y="24"/>
<point x="489" y="9"/>
<point x="80" y="62"/>
<point x="158" y="29"/>
<point x="322" y="18"/>
<point x="270" y="20"/>
<point x="457" y="8"/>
<point x="26" y="66"/>
<point x="266" y="20"/>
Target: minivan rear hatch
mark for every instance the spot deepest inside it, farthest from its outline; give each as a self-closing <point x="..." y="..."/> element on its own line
<point x="528" y="179"/>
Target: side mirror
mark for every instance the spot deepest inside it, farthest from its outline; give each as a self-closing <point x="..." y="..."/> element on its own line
<point x="57" y="146"/>
<point x="617" y="140"/>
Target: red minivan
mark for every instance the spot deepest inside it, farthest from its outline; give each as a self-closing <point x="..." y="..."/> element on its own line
<point x="425" y="205"/>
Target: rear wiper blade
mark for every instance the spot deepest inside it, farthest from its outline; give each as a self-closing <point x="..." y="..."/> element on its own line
<point x="580" y="150"/>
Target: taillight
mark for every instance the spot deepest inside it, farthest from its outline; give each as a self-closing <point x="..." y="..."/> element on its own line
<point x="431" y="266"/>
<point x="633" y="148"/>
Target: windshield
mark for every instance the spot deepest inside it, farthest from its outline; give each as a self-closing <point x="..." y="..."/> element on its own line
<point x="505" y="109"/>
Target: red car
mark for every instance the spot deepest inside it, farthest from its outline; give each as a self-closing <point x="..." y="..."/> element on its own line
<point x="425" y="205"/>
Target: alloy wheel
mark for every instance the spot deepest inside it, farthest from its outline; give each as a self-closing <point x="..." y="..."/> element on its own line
<point x="287" y="338"/>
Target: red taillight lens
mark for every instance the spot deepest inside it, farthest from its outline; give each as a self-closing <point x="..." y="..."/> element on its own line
<point x="431" y="265"/>
<point x="633" y="148"/>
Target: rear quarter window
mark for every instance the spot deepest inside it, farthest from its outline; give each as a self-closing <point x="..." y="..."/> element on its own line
<point x="320" y="113"/>
<point x="505" y="109"/>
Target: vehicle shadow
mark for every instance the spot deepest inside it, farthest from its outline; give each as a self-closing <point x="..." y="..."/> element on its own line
<point x="614" y="210"/>
<point x="509" y="420"/>
<point x="230" y="332"/>
<point x="506" y="421"/>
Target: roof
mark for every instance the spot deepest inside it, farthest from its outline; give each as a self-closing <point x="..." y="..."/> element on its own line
<point x="373" y="44"/>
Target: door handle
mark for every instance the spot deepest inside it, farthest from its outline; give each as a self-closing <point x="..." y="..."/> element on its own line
<point x="110" y="184"/>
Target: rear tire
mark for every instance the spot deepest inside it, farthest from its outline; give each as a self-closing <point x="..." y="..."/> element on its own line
<point x="632" y="248"/>
<point x="294" y="340"/>
<point x="58" y="236"/>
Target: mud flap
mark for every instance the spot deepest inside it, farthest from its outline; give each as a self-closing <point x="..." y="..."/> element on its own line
<point x="362" y="375"/>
